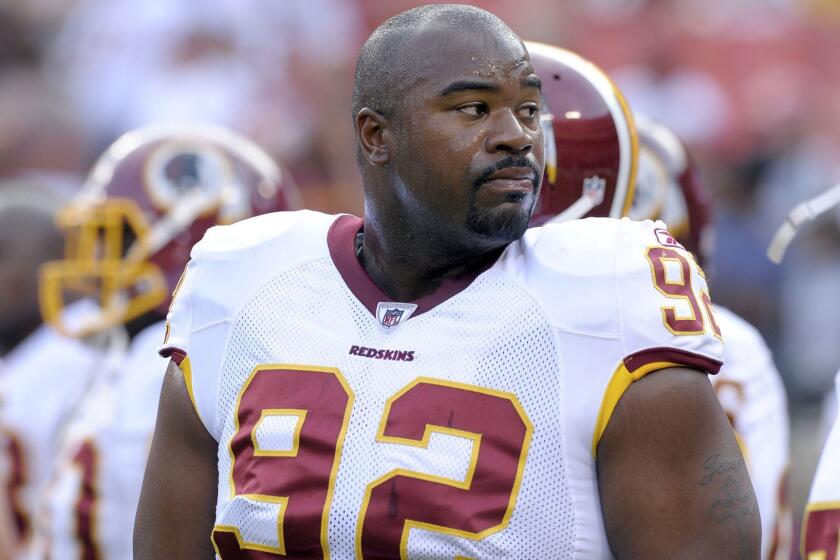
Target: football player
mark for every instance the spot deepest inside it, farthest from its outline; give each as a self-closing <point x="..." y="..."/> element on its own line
<point x="148" y="199"/>
<point x="8" y="531"/>
<point x="821" y="527"/>
<point x="44" y="372"/>
<point x="591" y="148"/>
<point x="432" y="381"/>
<point x="666" y="188"/>
<point x="748" y="385"/>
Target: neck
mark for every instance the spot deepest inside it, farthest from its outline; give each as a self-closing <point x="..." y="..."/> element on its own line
<point x="408" y="265"/>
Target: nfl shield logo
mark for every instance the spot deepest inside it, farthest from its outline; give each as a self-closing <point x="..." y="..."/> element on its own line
<point x="391" y="317"/>
<point x="392" y="313"/>
<point x="595" y="188"/>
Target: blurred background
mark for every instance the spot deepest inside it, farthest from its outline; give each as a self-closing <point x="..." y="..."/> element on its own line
<point x="752" y="86"/>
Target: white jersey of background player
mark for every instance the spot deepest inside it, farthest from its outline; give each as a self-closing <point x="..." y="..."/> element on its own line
<point x="748" y="385"/>
<point x="45" y="373"/>
<point x="91" y="499"/>
<point x="45" y="378"/>
<point x="166" y="184"/>
<point x="8" y="530"/>
<point x="820" y="538"/>
<point x="821" y="527"/>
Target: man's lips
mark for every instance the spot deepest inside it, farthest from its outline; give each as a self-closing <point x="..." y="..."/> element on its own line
<point x="511" y="179"/>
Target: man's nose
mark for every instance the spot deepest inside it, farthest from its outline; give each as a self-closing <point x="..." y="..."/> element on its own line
<point x="508" y="134"/>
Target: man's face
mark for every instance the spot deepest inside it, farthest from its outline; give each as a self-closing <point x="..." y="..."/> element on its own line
<point x="470" y="151"/>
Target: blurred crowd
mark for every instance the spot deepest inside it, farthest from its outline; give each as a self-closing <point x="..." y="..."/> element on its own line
<point x="750" y="85"/>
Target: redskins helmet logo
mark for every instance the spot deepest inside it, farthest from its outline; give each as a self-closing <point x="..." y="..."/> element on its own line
<point x="176" y="168"/>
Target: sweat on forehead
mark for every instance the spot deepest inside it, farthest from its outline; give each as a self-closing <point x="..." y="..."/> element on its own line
<point x="389" y="61"/>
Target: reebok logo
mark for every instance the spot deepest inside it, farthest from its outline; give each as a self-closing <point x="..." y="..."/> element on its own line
<point x="666" y="239"/>
<point x="377" y="354"/>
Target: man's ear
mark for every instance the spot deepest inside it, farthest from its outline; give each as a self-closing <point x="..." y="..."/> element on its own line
<point x="372" y="129"/>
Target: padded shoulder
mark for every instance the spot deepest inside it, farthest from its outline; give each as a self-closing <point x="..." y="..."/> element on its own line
<point x="227" y="266"/>
<point x="620" y="279"/>
<point x="297" y="232"/>
<point x="232" y="261"/>
<point x="569" y="268"/>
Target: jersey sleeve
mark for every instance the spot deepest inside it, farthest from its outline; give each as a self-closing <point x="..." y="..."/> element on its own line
<point x="195" y="332"/>
<point x="178" y="339"/>
<point x="664" y="313"/>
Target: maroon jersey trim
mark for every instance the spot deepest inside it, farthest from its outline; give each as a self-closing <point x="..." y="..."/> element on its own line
<point x="341" y="242"/>
<point x="177" y="354"/>
<point x="675" y="355"/>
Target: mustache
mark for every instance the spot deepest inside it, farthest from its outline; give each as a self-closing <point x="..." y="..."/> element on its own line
<point x="510" y="161"/>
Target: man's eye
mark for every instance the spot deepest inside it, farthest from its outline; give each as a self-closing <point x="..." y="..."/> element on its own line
<point x="474" y="109"/>
<point x="529" y="111"/>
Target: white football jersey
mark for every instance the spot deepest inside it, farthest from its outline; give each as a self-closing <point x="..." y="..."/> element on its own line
<point x="462" y="425"/>
<point x="751" y="393"/>
<point x="89" y="506"/>
<point x="44" y="379"/>
<point x="821" y="529"/>
<point x="829" y="413"/>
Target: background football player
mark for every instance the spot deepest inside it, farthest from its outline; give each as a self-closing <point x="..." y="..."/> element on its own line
<point x="591" y="148"/>
<point x="592" y="169"/>
<point x="820" y="536"/>
<point x="749" y="386"/>
<point x="148" y="199"/>
<point x="45" y="373"/>
<point x="821" y="527"/>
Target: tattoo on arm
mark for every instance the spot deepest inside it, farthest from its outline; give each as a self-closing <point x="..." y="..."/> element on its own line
<point x="733" y="502"/>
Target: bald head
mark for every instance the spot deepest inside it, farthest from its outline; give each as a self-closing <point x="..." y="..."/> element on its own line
<point x="445" y="99"/>
<point x="387" y="65"/>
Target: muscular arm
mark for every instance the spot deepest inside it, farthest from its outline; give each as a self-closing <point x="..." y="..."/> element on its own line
<point x="672" y="480"/>
<point x="176" y="511"/>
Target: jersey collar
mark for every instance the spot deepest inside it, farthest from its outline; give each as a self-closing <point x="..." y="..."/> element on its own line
<point x="340" y="240"/>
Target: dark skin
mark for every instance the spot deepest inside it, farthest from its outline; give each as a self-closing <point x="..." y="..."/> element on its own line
<point x="177" y="504"/>
<point x="671" y="476"/>
<point x="474" y="105"/>
<point x="471" y="111"/>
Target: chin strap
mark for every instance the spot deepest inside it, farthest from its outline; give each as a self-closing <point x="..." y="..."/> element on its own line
<point x="578" y="210"/>
<point x="802" y="214"/>
<point x="176" y="220"/>
<point x="594" y="191"/>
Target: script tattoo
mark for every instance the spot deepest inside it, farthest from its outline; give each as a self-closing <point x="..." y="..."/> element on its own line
<point x="713" y="465"/>
<point x="734" y="502"/>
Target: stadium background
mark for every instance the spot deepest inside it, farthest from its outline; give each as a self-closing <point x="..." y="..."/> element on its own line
<point x="751" y="85"/>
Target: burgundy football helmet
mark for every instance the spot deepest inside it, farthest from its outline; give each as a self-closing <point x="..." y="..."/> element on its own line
<point x="590" y="139"/>
<point x="149" y="198"/>
<point x="668" y="188"/>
